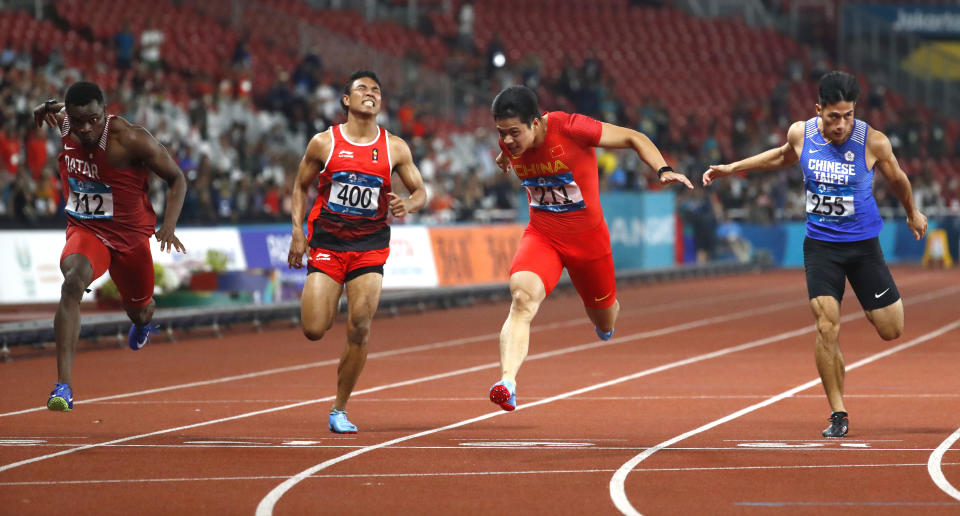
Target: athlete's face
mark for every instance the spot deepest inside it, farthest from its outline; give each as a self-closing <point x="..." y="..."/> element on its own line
<point x="837" y="120"/>
<point x="364" y="97"/>
<point x="86" y="122"/>
<point x="517" y="136"/>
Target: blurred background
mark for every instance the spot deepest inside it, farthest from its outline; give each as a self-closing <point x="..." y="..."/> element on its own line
<point x="235" y="89"/>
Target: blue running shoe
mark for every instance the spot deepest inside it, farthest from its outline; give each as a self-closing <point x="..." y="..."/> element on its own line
<point x="504" y="393"/>
<point x="339" y="424"/>
<point x="140" y="335"/>
<point x="61" y="398"/>
<point x="604" y="335"/>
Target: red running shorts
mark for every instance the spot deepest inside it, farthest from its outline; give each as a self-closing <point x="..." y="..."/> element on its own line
<point x="131" y="270"/>
<point x="587" y="257"/>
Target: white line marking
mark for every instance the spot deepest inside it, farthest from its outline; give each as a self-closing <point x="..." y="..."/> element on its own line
<point x="474" y="399"/>
<point x="617" y="488"/>
<point x="457" y="474"/>
<point x="936" y="472"/>
<point x="805" y="447"/>
<point x="266" y="505"/>
<point x="381" y="354"/>
<point x="489" y="365"/>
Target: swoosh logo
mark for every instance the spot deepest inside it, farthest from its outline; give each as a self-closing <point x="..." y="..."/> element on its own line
<point x="68" y="148"/>
<point x="606" y="296"/>
<point x="139" y="299"/>
<point x="815" y="151"/>
<point x="877" y="296"/>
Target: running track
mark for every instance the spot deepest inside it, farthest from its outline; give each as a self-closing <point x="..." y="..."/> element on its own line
<point x="705" y="402"/>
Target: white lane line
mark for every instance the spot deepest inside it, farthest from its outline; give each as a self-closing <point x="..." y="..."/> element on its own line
<point x="459" y="474"/>
<point x="617" y="487"/>
<point x="402" y="351"/>
<point x="583" y="445"/>
<point x="266" y="505"/>
<point x="489" y="365"/>
<point x="474" y="399"/>
<point x="936" y="472"/>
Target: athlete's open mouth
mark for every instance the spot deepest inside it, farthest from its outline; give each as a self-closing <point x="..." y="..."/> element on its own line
<point x="368" y="103"/>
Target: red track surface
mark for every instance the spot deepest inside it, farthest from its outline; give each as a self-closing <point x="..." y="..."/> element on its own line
<point x="586" y="409"/>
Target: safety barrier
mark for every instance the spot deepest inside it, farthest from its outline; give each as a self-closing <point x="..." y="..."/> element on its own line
<point x="170" y="320"/>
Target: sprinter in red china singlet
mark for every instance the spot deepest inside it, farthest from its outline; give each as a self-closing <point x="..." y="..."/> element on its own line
<point x="348" y="238"/>
<point x="105" y="170"/>
<point x="553" y="156"/>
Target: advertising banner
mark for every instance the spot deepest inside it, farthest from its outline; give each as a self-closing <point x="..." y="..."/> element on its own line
<point x="472" y="255"/>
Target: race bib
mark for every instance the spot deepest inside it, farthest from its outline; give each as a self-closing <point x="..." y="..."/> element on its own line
<point x="89" y="199"/>
<point x="354" y="193"/>
<point x="830" y="203"/>
<point x="558" y="193"/>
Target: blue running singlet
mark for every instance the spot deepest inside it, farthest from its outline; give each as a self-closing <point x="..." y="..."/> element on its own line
<point x="838" y="186"/>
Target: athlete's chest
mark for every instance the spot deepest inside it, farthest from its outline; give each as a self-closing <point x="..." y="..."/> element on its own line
<point x="358" y="179"/>
<point x="834" y="164"/>
<point x="96" y="164"/>
<point x="556" y="155"/>
<point x="368" y="159"/>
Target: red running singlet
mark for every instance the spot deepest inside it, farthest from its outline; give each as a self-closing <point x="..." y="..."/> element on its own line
<point x="350" y="213"/>
<point x="112" y="203"/>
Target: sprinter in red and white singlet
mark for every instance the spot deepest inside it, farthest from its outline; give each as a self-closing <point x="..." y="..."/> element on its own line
<point x="553" y="156"/>
<point x="348" y="238"/>
<point x="105" y="171"/>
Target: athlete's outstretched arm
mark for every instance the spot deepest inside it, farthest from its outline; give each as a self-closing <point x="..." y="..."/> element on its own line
<point x="773" y="159"/>
<point x="616" y="137"/>
<point x="409" y="174"/>
<point x="311" y="165"/>
<point x="879" y="145"/>
<point x="151" y="153"/>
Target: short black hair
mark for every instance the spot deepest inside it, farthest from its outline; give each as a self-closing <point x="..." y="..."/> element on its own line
<point x="516" y="101"/>
<point x="82" y="93"/>
<point x="359" y="74"/>
<point x="836" y="87"/>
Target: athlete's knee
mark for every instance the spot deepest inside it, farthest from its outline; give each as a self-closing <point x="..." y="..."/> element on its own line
<point x="358" y="330"/>
<point x="890" y="331"/>
<point x="828" y="328"/>
<point x="73" y="287"/>
<point x="523" y="304"/>
<point x="314" y="331"/>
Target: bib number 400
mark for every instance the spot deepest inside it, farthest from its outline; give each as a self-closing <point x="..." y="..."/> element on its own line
<point x="356" y="196"/>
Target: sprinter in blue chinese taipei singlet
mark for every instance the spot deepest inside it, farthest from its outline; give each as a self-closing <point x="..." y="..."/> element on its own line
<point x="838" y="154"/>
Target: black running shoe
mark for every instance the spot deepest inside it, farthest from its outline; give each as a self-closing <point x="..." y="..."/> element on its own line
<point x="839" y="424"/>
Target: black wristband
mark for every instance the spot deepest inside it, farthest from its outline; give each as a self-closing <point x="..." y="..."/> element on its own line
<point x="48" y="103"/>
<point x="660" y="172"/>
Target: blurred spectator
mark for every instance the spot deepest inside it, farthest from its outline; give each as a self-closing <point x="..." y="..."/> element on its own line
<point x="151" y="43"/>
<point x="238" y="128"/>
<point x="123" y="42"/>
<point x="465" y="26"/>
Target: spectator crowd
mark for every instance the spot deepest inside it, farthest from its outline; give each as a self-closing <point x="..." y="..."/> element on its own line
<point x="240" y="148"/>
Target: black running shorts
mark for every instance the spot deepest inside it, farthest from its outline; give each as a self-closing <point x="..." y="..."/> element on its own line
<point x="829" y="264"/>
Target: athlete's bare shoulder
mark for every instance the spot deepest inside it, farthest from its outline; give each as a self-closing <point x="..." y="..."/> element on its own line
<point x="130" y="137"/>
<point x="319" y="147"/>
<point x="795" y="132"/>
<point x="876" y="138"/>
<point x="399" y="150"/>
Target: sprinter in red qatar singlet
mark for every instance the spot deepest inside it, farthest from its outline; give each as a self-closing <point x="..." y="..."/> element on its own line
<point x="553" y="156"/>
<point x="105" y="170"/>
<point x="348" y="238"/>
<point x="112" y="203"/>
